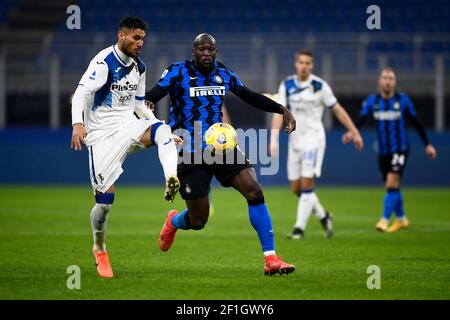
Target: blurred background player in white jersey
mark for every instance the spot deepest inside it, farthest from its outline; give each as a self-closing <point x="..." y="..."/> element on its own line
<point x="307" y="96"/>
<point x="104" y="105"/>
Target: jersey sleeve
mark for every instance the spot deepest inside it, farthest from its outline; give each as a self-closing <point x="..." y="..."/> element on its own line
<point x="141" y="110"/>
<point x="95" y="76"/>
<point x="366" y="106"/>
<point x="170" y="77"/>
<point x="328" y="98"/>
<point x="282" y="97"/>
<point x="93" y="79"/>
<point x="409" y="107"/>
<point x="140" y="92"/>
<point x="235" y="83"/>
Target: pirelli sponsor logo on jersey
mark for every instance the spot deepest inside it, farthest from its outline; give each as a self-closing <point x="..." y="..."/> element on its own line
<point x="207" y="91"/>
<point x="387" y="115"/>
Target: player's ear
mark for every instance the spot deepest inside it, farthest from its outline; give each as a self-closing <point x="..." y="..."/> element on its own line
<point x="121" y="35"/>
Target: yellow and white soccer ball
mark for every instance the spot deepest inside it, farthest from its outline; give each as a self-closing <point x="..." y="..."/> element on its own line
<point x="221" y="137"/>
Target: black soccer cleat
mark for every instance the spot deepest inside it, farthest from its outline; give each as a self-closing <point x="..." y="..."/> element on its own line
<point x="296" y="234"/>
<point x="327" y="225"/>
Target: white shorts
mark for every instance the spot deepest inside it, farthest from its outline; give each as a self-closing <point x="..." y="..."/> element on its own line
<point x="106" y="157"/>
<point x="305" y="163"/>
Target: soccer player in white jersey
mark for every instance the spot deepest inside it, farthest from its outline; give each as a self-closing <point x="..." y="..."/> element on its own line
<point x="104" y="105"/>
<point x="307" y="96"/>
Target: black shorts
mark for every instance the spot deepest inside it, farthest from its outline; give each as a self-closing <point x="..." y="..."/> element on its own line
<point x="195" y="179"/>
<point x="392" y="162"/>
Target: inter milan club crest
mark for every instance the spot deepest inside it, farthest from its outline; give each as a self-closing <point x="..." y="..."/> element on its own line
<point x="396" y="105"/>
<point x="218" y="78"/>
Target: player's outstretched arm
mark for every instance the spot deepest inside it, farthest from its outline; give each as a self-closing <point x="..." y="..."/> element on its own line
<point x="225" y="115"/>
<point x="277" y="123"/>
<point x="346" y="121"/>
<point x="155" y="94"/>
<point x="263" y="103"/>
<point x="429" y="148"/>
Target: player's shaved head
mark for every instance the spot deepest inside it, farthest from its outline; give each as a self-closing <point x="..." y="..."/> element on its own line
<point x="204" y="38"/>
<point x="204" y="51"/>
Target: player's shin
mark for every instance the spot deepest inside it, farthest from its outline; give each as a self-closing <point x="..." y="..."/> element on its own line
<point x="304" y="209"/>
<point x="262" y="223"/>
<point x="161" y="135"/>
<point x="390" y="200"/>
<point x="400" y="213"/>
<point x="99" y="219"/>
<point x="317" y="206"/>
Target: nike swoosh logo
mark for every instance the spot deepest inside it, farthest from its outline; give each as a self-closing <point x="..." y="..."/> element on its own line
<point x="193" y="78"/>
<point x="170" y="139"/>
<point x="100" y="62"/>
<point x="117" y="70"/>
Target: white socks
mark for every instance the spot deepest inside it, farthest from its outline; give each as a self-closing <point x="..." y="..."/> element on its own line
<point x="307" y="202"/>
<point x="99" y="219"/>
<point x="305" y="206"/>
<point x="167" y="151"/>
<point x="320" y="211"/>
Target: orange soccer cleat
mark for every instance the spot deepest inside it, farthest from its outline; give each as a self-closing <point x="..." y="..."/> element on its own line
<point x="102" y="262"/>
<point x="276" y="264"/>
<point x="382" y="225"/>
<point x="168" y="231"/>
<point x="399" y="224"/>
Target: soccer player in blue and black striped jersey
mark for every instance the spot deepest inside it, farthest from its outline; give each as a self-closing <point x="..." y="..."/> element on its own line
<point x="390" y="110"/>
<point x="197" y="89"/>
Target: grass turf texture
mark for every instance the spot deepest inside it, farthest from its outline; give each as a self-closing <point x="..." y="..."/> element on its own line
<point x="46" y="229"/>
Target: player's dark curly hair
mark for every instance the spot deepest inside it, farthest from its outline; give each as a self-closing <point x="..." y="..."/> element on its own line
<point x="132" y="22"/>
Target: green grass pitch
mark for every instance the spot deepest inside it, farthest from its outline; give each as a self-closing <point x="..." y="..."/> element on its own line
<point x="43" y="230"/>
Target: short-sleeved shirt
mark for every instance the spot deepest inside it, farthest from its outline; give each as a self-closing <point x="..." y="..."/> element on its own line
<point x="196" y="99"/>
<point x="307" y="101"/>
<point x="389" y="116"/>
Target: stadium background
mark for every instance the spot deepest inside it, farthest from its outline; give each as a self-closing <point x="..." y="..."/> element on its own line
<point x="41" y="62"/>
<point x="45" y="195"/>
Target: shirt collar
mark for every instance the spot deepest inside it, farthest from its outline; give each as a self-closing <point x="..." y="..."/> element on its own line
<point x="302" y="84"/>
<point x="123" y="58"/>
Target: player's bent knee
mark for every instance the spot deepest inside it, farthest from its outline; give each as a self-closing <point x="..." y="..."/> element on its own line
<point x="307" y="183"/>
<point x="160" y="133"/>
<point x="297" y="190"/>
<point x="254" y="192"/>
<point x="145" y="139"/>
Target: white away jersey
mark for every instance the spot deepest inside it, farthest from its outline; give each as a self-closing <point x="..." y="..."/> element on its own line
<point x="307" y="102"/>
<point x="109" y="91"/>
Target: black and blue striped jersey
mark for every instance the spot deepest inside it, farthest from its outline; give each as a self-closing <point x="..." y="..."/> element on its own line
<point x="196" y="97"/>
<point x="390" y="115"/>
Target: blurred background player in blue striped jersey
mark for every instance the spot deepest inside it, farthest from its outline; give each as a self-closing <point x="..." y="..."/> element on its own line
<point x="390" y="110"/>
